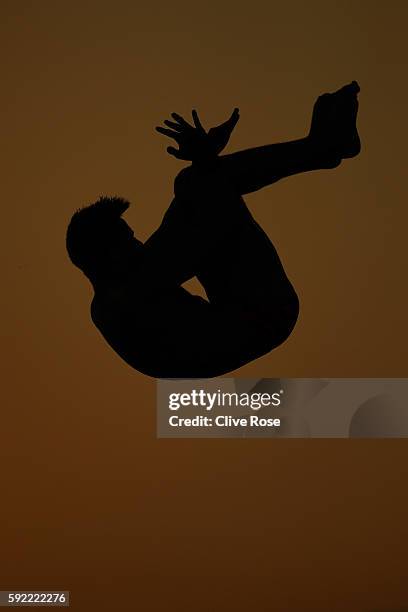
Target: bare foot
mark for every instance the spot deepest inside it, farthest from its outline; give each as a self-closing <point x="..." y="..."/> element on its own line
<point x="333" y="125"/>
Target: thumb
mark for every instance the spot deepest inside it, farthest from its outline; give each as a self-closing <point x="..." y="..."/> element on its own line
<point x="234" y="117"/>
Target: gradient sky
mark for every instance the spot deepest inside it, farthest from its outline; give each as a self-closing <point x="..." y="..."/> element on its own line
<point x="92" y="497"/>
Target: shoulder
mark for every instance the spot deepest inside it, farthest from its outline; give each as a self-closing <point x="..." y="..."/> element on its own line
<point x="109" y="299"/>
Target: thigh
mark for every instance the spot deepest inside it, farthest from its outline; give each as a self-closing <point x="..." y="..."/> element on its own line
<point x="241" y="270"/>
<point x="209" y="232"/>
<point x="243" y="266"/>
<point x="234" y="257"/>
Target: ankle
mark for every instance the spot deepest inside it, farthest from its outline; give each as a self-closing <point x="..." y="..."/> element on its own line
<point x="324" y="155"/>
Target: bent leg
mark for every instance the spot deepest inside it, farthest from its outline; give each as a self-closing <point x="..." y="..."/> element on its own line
<point x="234" y="259"/>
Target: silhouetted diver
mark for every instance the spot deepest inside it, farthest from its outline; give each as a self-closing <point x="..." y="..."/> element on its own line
<point x="140" y="307"/>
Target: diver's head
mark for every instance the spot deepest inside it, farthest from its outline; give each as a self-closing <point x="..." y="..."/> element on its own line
<point x="98" y="239"/>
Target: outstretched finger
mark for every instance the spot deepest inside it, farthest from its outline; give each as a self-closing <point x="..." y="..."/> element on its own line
<point x="182" y="121"/>
<point x="174" y="126"/>
<point x="169" y="133"/>
<point x="230" y="123"/>
<point x="197" y="121"/>
<point x="234" y="117"/>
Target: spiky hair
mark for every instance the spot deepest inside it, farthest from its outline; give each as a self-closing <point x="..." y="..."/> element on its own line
<point x="89" y="232"/>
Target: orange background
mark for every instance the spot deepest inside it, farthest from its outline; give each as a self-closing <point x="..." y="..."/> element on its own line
<point x="92" y="501"/>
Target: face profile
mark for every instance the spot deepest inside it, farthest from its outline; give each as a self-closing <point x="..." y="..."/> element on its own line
<point x="122" y="244"/>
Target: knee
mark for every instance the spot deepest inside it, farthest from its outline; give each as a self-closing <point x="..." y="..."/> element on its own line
<point x="282" y="320"/>
<point x="182" y="180"/>
<point x="291" y="315"/>
<point x="202" y="181"/>
<point x="187" y="182"/>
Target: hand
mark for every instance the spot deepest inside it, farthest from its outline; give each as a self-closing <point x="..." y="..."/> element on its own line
<point x="195" y="144"/>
